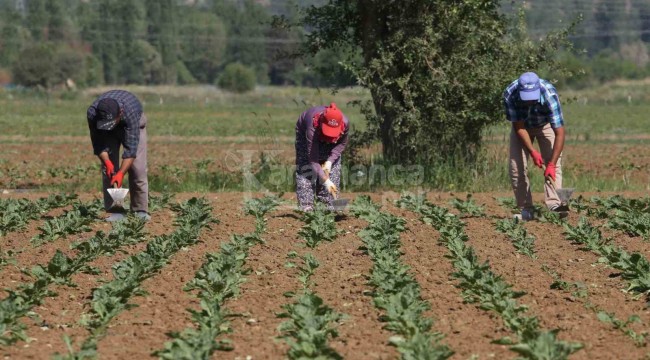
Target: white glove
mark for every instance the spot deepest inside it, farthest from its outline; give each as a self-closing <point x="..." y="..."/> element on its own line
<point x="327" y="167"/>
<point x="331" y="188"/>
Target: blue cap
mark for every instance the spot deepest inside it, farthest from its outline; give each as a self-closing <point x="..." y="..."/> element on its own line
<point x="528" y="86"/>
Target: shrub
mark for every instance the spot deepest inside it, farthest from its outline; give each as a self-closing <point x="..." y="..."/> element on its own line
<point x="237" y="78"/>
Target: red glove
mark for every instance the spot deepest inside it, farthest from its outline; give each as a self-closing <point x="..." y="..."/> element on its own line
<point x="117" y="178"/>
<point x="110" y="169"/>
<point x="550" y="171"/>
<point x="537" y="158"/>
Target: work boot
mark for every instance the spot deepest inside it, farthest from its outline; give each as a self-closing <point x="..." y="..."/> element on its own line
<point x="527" y="214"/>
<point x="115" y="217"/>
<point x="562" y="209"/>
<point x="143" y="215"/>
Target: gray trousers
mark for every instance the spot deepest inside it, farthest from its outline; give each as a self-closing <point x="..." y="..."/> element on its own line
<point x="518" y="166"/>
<point x="138" y="182"/>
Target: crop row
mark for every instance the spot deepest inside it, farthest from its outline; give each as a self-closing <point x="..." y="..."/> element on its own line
<point x="113" y="297"/>
<point x="16" y="213"/>
<point x="631" y="216"/>
<point x="310" y="322"/>
<point x="59" y="270"/>
<point x="217" y="280"/>
<point x="74" y="221"/>
<point x="490" y="291"/>
<point x="395" y="291"/>
<point x="523" y="242"/>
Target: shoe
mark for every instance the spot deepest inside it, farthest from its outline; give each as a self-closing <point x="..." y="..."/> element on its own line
<point x="115" y="217"/>
<point x="527" y="214"/>
<point x="143" y="215"/>
<point x="563" y="207"/>
<point x="562" y="210"/>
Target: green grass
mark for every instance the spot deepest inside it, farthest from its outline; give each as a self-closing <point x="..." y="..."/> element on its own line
<point x="176" y="111"/>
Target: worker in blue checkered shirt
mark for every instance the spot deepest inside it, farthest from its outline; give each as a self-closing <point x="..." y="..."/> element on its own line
<point x="533" y="108"/>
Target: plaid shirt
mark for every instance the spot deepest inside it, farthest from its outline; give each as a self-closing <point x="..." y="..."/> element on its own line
<point x="547" y="110"/>
<point x="127" y="130"/>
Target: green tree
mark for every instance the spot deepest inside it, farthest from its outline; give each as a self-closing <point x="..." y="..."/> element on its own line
<point x="162" y="16"/>
<point x="203" y="46"/>
<point x="435" y="69"/>
<point x="237" y="78"/>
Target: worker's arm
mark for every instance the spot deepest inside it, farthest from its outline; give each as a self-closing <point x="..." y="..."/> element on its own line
<point x="558" y="146"/>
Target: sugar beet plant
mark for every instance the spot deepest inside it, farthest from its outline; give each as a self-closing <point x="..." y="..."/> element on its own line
<point x="16" y="213"/>
<point x="468" y="207"/>
<point x="59" y="270"/>
<point x="396" y="292"/>
<point x="482" y="286"/>
<point x="521" y="239"/>
<point x="75" y="221"/>
<point x="319" y="226"/>
<point x="217" y="281"/>
<point x="113" y="297"/>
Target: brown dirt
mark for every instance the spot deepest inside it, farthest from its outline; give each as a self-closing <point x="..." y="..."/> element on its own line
<point x="340" y="282"/>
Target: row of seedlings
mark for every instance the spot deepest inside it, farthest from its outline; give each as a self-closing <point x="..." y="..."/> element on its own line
<point x="218" y="280"/>
<point x="578" y="290"/>
<point x="58" y="271"/>
<point x="74" y="221"/>
<point x="630" y="216"/>
<point x="16" y="213"/>
<point x="482" y="286"/>
<point x="310" y="322"/>
<point x="395" y="291"/>
<point x="113" y="297"/>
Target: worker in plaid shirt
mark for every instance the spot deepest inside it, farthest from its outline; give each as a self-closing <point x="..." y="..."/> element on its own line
<point x="116" y="118"/>
<point x="533" y="107"/>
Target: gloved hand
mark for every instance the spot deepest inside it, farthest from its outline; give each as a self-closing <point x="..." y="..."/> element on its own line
<point x="331" y="188"/>
<point x="550" y="171"/>
<point x="110" y="169"/>
<point x="537" y="158"/>
<point x="327" y="168"/>
<point x="117" y="178"/>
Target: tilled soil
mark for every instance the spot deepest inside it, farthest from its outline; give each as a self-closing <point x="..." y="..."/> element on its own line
<point x="341" y="282"/>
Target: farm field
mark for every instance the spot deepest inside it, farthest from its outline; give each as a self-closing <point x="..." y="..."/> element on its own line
<point x="388" y="277"/>
<point x="201" y="139"/>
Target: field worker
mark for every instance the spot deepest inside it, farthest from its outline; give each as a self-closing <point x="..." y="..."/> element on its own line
<point x="116" y="118"/>
<point x="533" y="107"/>
<point x="321" y="137"/>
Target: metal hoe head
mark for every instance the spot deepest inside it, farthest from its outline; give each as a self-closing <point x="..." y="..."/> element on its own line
<point x="118" y="195"/>
<point x="565" y="194"/>
<point x="340" y="204"/>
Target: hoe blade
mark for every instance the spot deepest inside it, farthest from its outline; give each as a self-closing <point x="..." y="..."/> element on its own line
<point x="340" y="204"/>
<point x="565" y="194"/>
<point x="118" y="195"/>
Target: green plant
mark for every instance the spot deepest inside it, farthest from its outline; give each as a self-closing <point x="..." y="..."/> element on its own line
<point x="320" y="226"/>
<point x="467" y="207"/>
<point x="308" y="328"/>
<point x="259" y="208"/>
<point x="522" y="241"/>
<point x="237" y="78"/>
<point x="638" y="338"/>
<point x="71" y="222"/>
<point x="577" y="289"/>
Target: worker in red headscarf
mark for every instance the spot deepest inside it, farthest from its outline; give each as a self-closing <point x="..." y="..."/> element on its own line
<point x="321" y="137"/>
